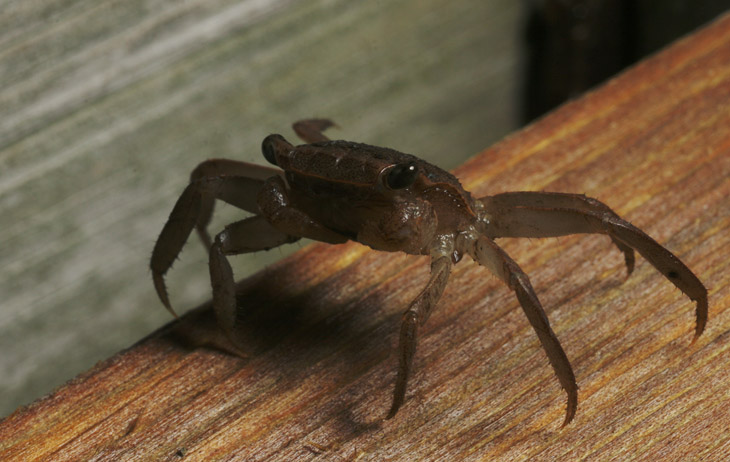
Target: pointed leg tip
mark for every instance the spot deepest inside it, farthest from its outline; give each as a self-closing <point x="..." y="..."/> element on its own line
<point x="570" y="409"/>
<point x="699" y="328"/>
<point x="701" y="315"/>
<point x="569" y="414"/>
<point x="630" y="268"/>
<point x="159" y="281"/>
<point x="172" y="312"/>
<point x="630" y="260"/>
<point x="235" y="347"/>
<point x="397" y="403"/>
<point x="629" y="255"/>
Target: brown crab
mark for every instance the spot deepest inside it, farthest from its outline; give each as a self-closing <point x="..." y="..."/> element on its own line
<point x="334" y="191"/>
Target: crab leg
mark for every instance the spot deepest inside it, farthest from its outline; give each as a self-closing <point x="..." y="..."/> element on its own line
<point x="310" y="130"/>
<point x="276" y="206"/>
<point x="193" y="204"/>
<point x="416" y="316"/>
<point x="279" y="223"/>
<point x="243" y="196"/>
<point x="248" y="235"/>
<point x="487" y="253"/>
<point x="505" y="203"/>
<point x="546" y="215"/>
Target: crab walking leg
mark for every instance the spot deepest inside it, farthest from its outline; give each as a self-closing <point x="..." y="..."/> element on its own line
<point x="505" y="203"/>
<point x="548" y="199"/>
<point x="413" y="318"/>
<point x="548" y="222"/>
<point x="186" y="215"/>
<point x="310" y="130"/>
<point x="243" y="194"/>
<point x="487" y="253"/>
<point x="248" y="235"/>
<point x="275" y="205"/>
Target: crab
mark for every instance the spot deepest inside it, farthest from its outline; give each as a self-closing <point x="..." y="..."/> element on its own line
<point x="335" y="191"/>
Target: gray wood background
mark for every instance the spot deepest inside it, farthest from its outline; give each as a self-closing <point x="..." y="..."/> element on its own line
<point x="106" y="106"/>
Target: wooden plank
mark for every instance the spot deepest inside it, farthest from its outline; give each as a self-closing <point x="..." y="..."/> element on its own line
<point x="321" y="331"/>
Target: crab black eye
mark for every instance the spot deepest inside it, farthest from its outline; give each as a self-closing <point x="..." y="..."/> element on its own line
<point x="401" y="176"/>
<point x="268" y="147"/>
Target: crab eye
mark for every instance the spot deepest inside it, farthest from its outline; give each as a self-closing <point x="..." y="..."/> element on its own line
<point x="401" y="176"/>
<point x="268" y="148"/>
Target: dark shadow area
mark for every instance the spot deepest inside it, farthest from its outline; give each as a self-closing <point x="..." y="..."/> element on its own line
<point x="271" y="312"/>
<point x="294" y="330"/>
<point x="574" y="45"/>
<point x="290" y="331"/>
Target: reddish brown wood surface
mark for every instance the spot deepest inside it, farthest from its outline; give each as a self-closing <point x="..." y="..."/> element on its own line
<point x="322" y="326"/>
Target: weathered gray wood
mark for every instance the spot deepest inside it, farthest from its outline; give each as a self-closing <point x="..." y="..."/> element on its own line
<point x="106" y="106"/>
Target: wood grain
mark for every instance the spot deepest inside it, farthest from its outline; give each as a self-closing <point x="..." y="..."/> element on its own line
<point x="321" y="326"/>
